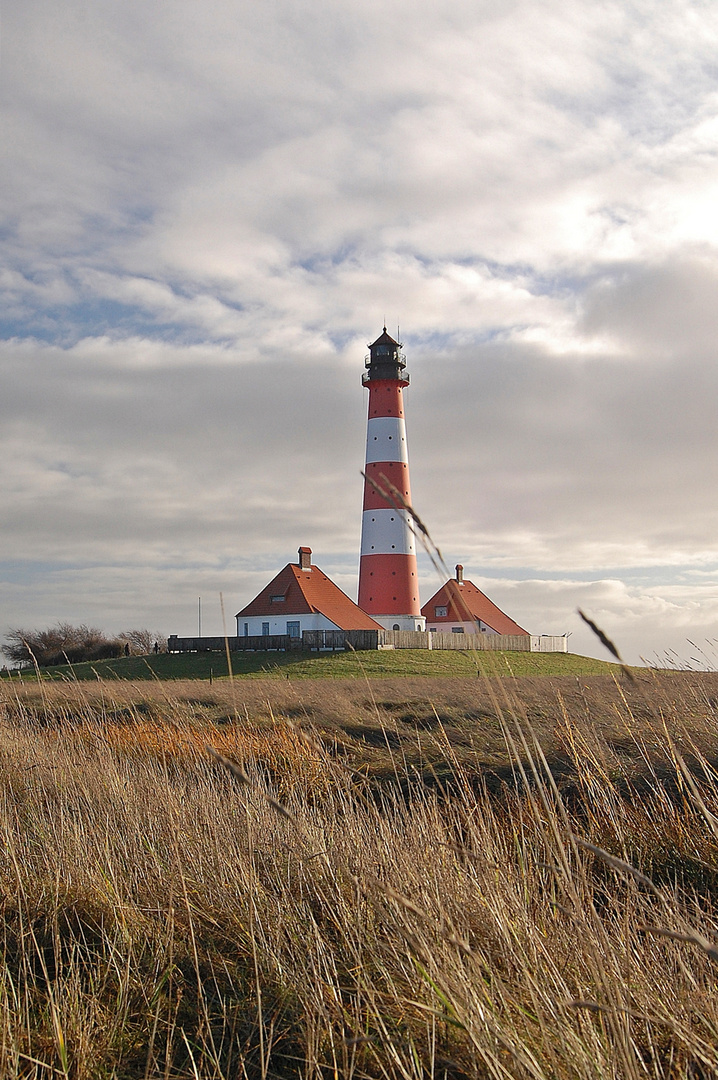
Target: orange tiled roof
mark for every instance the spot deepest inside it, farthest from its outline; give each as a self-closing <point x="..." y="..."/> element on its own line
<point x="305" y="592"/>
<point x="465" y="603"/>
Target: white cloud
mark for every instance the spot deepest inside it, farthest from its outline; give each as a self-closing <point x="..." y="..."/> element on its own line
<point x="647" y="622"/>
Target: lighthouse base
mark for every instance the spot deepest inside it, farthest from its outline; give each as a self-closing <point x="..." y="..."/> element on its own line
<point x="401" y="622"/>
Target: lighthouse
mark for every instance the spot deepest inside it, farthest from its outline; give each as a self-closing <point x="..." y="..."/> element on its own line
<point x="388" y="576"/>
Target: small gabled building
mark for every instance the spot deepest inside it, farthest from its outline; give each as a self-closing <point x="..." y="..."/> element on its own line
<point x="301" y="597"/>
<point x="460" y="608"/>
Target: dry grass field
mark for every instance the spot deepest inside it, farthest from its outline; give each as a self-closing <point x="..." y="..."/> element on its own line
<point x="368" y="878"/>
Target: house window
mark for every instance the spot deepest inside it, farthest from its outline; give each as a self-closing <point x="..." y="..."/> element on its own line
<point x="265" y="629"/>
<point x="276" y="599"/>
<point x="246" y="629"/>
<point x="432" y="629"/>
<point x="440" y="612"/>
<point x="457" y="629"/>
<point x="395" y="626"/>
<point x="293" y="629"/>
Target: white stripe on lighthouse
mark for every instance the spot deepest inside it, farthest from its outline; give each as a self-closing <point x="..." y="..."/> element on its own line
<point x="386" y="439"/>
<point x="387" y="532"/>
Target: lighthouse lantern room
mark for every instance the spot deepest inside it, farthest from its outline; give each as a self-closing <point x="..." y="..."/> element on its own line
<point x="388" y="576"/>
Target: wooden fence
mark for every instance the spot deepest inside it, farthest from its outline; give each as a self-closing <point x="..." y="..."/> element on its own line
<point x="312" y="640"/>
<point x="482" y="642"/>
<point x="340" y="639"/>
<point x="256" y="643"/>
<point x="420" y="639"/>
<point x="403" y="639"/>
<point x="549" y="643"/>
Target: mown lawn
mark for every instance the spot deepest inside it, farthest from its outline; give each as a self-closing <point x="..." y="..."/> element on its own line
<point x="339" y="665"/>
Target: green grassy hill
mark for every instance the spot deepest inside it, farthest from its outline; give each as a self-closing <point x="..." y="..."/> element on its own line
<point x="339" y="665"/>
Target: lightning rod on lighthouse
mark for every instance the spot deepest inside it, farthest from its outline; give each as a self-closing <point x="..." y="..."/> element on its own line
<point x="388" y="576"/>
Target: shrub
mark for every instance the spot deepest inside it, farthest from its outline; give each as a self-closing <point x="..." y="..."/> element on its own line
<point x="60" y="644"/>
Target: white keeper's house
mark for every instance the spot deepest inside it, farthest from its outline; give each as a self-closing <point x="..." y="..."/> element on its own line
<point x="301" y="597"/>
<point x="460" y="608"/>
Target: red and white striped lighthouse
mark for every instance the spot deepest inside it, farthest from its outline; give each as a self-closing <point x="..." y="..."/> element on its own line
<point x="388" y="577"/>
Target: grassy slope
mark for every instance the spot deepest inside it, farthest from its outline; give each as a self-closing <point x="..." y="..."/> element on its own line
<point x="340" y="665"/>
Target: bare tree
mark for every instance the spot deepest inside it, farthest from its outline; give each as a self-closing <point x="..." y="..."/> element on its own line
<point x="142" y="642"/>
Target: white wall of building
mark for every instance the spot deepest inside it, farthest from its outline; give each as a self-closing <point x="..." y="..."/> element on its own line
<point x="446" y="627"/>
<point x="278" y="623"/>
<point x="401" y="622"/>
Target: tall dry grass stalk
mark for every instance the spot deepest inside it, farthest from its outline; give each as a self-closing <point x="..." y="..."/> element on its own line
<point x="161" y="918"/>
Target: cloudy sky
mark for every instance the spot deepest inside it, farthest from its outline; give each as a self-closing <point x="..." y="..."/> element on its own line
<point x="209" y="209"/>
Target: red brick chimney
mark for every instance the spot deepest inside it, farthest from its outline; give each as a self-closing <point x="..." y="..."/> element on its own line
<point x="305" y="558"/>
<point x="460" y="573"/>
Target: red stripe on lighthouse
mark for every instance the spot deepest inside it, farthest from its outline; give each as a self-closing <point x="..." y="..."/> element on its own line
<point x="378" y="473"/>
<point x="388" y="576"/>
<point x="385" y="397"/>
<point x="388" y="585"/>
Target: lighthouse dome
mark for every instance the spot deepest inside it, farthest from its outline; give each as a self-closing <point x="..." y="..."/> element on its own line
<point x="385" y="359"/>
